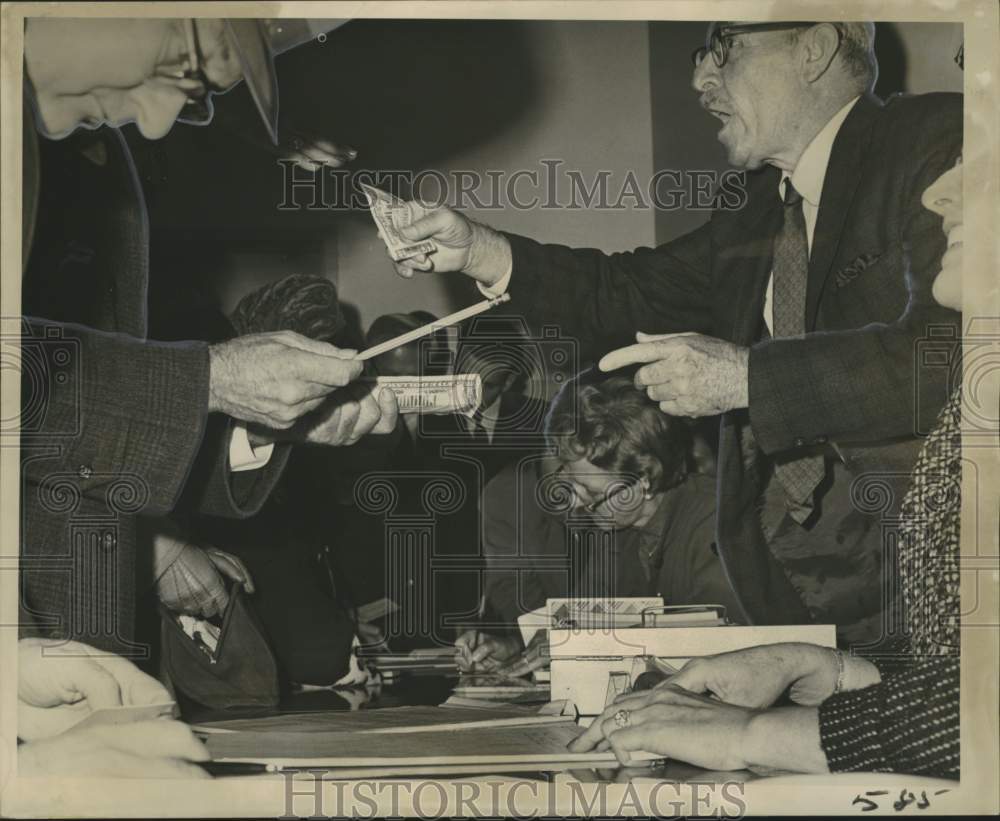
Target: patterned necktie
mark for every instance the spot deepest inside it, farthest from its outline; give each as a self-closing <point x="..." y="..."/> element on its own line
<point x="798" y="476"/>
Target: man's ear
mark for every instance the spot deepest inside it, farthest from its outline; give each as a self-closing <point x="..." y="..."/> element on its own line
<point x="818" y="46"/>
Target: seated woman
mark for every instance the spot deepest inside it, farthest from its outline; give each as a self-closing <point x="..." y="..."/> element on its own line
<point x="621" y="514"/>
<point x="847" y="714"/>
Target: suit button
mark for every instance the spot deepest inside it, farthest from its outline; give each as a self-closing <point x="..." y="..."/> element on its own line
<point x="85" y="471"/>
<point x="799" y="442"/>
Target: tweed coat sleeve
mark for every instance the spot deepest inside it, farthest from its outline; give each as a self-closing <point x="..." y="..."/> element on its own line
<point x="109" y="404"/>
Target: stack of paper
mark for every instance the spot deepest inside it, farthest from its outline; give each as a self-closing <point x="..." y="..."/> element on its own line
<point x="431" y="660"/>
<point x="586" y="613"/>
<point x="406" y="740"/>
<point x="543" y="742"/>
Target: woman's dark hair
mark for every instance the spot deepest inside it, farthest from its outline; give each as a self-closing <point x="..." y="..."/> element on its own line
<point x="612" y="424"/>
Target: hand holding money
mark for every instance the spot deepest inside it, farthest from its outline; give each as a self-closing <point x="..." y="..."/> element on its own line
<point x="391" y="214"/>
<point x="460" y="393"/>
<point x="456" y="243"/>
<point x="342" y="419"/>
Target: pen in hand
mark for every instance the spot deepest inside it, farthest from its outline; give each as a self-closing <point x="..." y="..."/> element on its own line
<point x="467" y="644"/>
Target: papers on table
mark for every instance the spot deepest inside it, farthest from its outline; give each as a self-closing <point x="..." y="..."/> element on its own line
<point x="126" y="714"/>
<point x="542" y="742"/>
<point x="435" y="660"/>
<point x="379" y="720"/>
<point x="406" y="740"/>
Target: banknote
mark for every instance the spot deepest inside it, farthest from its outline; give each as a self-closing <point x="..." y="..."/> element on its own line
<point x="460" y="393"/>
<point x="390" y="214"/>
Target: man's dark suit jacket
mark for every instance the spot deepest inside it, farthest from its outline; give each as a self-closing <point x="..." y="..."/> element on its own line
<point x="856" y="380"/>
<point x="114" y="425"/>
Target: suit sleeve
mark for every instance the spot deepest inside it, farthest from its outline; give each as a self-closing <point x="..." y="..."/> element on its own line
<point x="870" y="383"/>
<point x="602" y="300"/>
<point x="515" y="584"/>
<point x="708" y="582"/>
<point x="111" y="407"/>
<point x="213" y="488"/>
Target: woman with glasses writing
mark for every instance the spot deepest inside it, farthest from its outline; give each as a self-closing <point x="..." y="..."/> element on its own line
<point x="621" y="514"/>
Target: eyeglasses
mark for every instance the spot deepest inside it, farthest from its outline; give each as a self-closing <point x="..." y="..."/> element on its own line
<point x="720" y="41"/>
<point x="198" y="108"/>
<point x="616" y="488"/>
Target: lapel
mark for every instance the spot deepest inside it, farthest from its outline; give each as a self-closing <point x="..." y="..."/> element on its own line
<point x="843" y="174"/>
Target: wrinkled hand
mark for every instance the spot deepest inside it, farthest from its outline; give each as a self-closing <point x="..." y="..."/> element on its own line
<point x="688" y="374"/>
<point x="484" y="652"/>
<point x="673" y="723"/>
<point x="534" y="657"/>
<point x="193" y="582"/>
<point x="60" y="683"/>
<point x="462" y="245"/>
<point x="275" y="378"/>
<point x="145" y="749"/>
<point x="312" y="153"/>
<point x="758" y="676"/>
<point x="341" y="420"/>
<point x="347" y="415"/>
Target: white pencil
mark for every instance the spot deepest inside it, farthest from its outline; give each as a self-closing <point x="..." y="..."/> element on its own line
<point x="431" y="327"/>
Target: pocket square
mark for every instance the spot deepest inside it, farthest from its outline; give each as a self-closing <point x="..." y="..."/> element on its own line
<point x="850" y="272"/>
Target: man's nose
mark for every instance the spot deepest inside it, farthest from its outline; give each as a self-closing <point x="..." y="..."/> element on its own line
<point x="944" y="195"/>
<point x="157" y="109"/>
<point x="706" y="75"/>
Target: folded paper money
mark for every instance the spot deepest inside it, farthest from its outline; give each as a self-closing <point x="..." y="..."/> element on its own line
<point x="390" y="214"/>
<point x="460" y="393"/>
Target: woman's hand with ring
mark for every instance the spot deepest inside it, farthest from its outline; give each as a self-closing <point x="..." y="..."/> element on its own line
<point x="672" y="723"/>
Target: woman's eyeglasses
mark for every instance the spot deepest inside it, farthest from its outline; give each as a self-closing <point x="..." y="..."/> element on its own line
<point x="616" y="488"/>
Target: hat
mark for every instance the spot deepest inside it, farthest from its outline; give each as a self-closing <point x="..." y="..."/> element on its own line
<point x="257" y="42"/>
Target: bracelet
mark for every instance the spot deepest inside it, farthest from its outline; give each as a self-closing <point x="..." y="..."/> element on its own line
<point x="839" y="686"/>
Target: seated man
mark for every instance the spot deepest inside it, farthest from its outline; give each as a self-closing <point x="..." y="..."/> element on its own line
<point x="508" y="425"/>
<point x="623" y="470"/>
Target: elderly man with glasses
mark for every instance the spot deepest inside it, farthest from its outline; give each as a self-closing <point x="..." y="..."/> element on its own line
<point x="799" y="317"/>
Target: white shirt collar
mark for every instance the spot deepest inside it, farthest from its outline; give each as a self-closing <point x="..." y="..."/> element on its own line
<point x="811" y="168"/>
